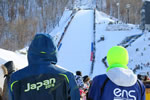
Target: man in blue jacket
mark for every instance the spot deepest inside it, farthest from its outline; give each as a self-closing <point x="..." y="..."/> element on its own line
<point x="42" y="79"/>
<point x="119" y="82"/>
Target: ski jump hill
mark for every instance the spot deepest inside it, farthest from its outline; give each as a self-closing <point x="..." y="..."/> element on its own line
<point x="76" y="47"/>
<point x="83" y="38"/>
<point x="79" y="44"/>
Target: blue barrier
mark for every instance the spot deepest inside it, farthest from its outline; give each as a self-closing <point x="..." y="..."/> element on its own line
<point x="59" y="46"/>
<point x="92" y="46"/>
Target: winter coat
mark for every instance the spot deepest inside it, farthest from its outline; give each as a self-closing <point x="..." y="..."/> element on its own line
<point x="6" y="89"/>
<point x="42" y="79"/>
<point x="122" y="84"/>
<point x="83" y="93"/>
<point x="0" y="93"/>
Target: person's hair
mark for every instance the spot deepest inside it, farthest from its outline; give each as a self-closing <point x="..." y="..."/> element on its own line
<point x="79" y="73"/>
<point x="145" y="78"/>
<point x="139" y="77"/>
<point x="86" y="78"/>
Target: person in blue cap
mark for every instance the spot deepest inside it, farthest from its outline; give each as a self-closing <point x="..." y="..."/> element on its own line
<point x="42" y="79"/>
<point x="119" y="82"/>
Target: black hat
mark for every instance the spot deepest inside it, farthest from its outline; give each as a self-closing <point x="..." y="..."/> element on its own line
<point x="86" y="78"/>
<point x="79" y="73"/>
<point x="10" y="66"/>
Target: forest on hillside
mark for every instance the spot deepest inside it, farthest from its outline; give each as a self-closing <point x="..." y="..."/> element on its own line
<point x="129" y="10"/>
<point x="21" y="19"/>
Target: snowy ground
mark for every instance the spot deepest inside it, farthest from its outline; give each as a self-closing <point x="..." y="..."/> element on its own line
<point x="19" y="60"/>
<point x="75" y="51"/>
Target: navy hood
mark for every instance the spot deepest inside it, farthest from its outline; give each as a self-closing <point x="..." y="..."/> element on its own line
<point x="42" y="50"/>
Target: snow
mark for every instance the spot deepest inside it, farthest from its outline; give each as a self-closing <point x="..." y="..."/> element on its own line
<point x="102" y="18"/>
<point x="112" y="38"/>
<point x="75" y="51"/>
<point x="19" y="60"/>
<point x="62" y="23"/>
<point x="140" y="57"/>
<point x="146" y="0"/>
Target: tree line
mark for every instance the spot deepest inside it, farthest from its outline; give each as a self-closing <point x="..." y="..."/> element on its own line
<point x="128" y="10"/>
<point x="21" y="19"/>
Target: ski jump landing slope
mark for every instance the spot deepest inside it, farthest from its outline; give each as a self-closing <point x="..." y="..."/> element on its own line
<point x="75" y="51"/>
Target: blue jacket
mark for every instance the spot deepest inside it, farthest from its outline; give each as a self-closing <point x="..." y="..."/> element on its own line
<point x="42" y="79"/>
<point x="113" y="91"/>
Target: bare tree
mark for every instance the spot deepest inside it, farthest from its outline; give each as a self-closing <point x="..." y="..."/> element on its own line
<point x="18" y="24"/>
<point x="133" y="11"/>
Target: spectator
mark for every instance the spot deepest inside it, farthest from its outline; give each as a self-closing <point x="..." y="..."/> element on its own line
<point x="84" y="91"/>
<point x="146" y="81"/>
<point x="9" y="69"/>
<point x="148" y="72"/>
<point x="42" y="79"/>
<point x="119" y="82"/>
<point x="80" y="83"/>
<point x="147" y="84"/>
<point x="146" y="78"/>
<point x="79" y="79"/>
<point x="139" y="77"/>
<point x="86" y="80"/>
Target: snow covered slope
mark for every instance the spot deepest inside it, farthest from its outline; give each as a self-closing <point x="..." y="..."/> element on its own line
<point x="140" y="54"/>
<point x="75" y="51"/>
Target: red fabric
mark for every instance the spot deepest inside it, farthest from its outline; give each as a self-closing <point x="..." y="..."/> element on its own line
<point x="82" y="94"/>
<point x="91" y="56"/>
